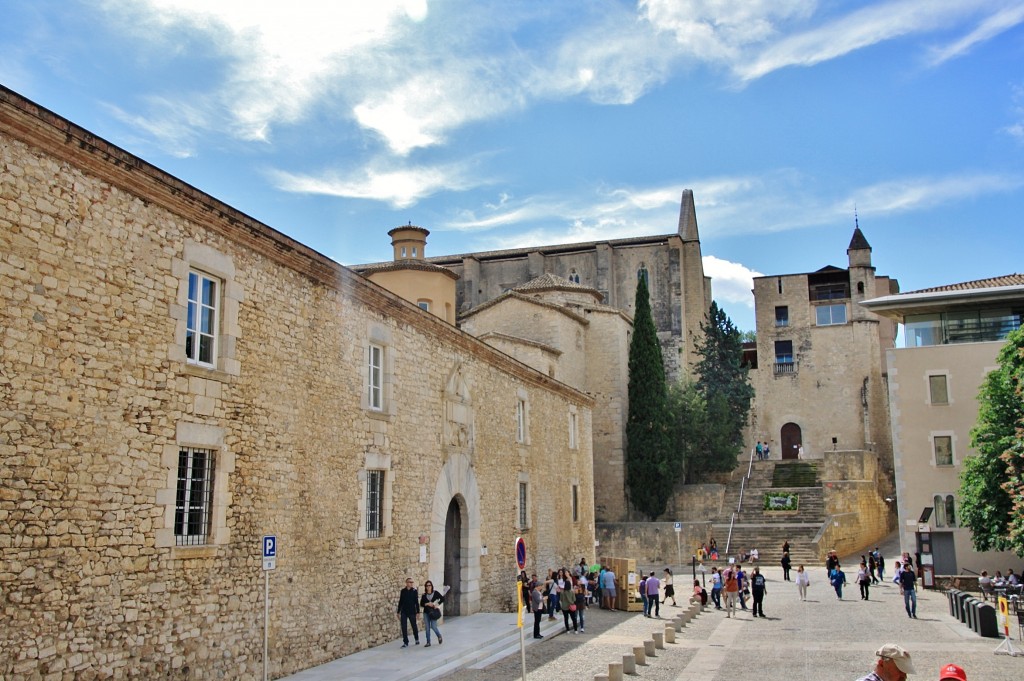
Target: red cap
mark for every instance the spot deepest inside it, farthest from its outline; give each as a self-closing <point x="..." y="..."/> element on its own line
<point x="952" y="672"/>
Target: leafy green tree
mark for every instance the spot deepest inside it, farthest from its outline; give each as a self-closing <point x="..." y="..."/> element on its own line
<point x="992" y="482"/>
<point x="700" y="432"/>
<point x="724" y="382"/>
<point x="650" y="464"/>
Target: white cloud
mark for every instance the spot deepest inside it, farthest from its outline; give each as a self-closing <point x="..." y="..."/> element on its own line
<point x="990" y="27"/>
<point x="281" y="57"/>
<point x="922" y="193"/>
<point x="172" y="124"/>
<point x="401" y="187"/>
<point x="862" y="28"/>
<point x="731" y="282"/>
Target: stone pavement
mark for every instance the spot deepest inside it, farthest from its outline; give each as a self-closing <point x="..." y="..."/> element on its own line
<point x="822" y="638"/>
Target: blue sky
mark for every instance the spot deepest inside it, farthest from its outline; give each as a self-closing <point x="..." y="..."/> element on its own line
<point x="509" y="124"/>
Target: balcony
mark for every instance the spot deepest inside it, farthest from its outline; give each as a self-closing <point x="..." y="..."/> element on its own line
<point x="784" y="368"/>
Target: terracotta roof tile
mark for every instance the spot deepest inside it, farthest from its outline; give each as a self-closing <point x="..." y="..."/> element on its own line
<point x="992" y="282"/>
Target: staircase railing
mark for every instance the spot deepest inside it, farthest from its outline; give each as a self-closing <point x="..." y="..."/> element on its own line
<point x="739" y="504"/>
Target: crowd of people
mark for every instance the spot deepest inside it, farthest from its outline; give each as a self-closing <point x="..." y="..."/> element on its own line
<point x="571" y="592"/>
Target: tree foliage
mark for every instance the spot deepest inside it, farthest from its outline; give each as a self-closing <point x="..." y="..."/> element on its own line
<point x="651" y="467"/>
<point x="992" y="482"/>
<point x="700" y="431"/>
<point x="724" y="383"/>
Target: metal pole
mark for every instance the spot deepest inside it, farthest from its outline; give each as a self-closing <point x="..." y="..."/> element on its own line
<point x="522" y="625"/>
<point x="266" y="620"/>
<point x="679" y="551"/>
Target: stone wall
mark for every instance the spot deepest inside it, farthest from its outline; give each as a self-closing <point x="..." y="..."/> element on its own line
<point x="96" y="400"/>
<point x="652" y="544"/>
<point x="855" y="488"/>
<point x="692" y="502"/>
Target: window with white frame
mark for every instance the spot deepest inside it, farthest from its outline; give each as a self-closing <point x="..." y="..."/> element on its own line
<point x="193" y="508"/>
<point x="375" y="377"/>
<point x="829" y="315"/>
<point x="945" y="510"/>
<point x="521" y="420"/>
<point x="524" y="504"/>
<point x="374" y="503"/>
<point x="943" y="448"/>
<point x="938" y="390"/>
<point x="202" y="319"/>
<point x="423" y="304"/>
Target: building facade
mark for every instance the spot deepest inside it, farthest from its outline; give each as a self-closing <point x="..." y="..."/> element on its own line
<point x="952" y="335"/>
<point x="561" y="328"/>
<point x="820" y="377"/>
<point x="178" y="380"/>
<point x="567" y="311"/>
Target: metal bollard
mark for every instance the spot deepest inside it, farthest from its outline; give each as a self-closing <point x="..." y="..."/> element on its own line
<point x="640" y="655"/>
<point x="670" y="634"/>
<point x="614" y="671"/>
<point x="629" y="664"/>
<point x="649" y="648"/>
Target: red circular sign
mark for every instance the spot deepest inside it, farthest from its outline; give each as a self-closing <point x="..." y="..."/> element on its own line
<point x="520" y="553"/>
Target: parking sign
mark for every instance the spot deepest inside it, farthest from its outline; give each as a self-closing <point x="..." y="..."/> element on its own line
<point x="269" y="552"/>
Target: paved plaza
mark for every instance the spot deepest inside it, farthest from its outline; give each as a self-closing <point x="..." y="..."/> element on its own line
<point x="822" y="638"/>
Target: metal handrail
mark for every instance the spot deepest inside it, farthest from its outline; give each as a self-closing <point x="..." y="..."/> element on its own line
<point x="728" y="540"/>
<point x="743" y="485"/>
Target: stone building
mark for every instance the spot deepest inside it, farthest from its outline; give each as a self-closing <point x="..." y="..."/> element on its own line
<point x="562" y="328"/>
<point x="178" y="380"/>
<point x="820" y="379"/>
<point x="567" y="311"/>
<point x="952" y="335"/>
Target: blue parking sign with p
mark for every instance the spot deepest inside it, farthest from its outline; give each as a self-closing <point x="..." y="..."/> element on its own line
<point x="269" y="552"/>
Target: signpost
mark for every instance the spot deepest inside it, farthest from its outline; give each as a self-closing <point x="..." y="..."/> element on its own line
<point x="269" y="563"/>
<point x="679" y="550"/>
<point x="521" y="565"/>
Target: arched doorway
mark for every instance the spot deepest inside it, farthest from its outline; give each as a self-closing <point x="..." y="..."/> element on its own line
<point x="791" y="438"/>
<point x="453" y="557"/>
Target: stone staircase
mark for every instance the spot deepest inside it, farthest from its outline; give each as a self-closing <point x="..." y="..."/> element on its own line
<point x="766" y="530"/>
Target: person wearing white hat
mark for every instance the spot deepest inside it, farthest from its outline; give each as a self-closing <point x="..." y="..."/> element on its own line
<point x="893" y="664"/>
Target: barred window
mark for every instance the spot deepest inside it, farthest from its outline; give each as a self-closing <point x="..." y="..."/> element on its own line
<point x="521" y="420"/>
<point x="194" y="499"/>
<point x="523" y="489"/>
<point x="201" y="325"/>
<point x="374" y="503"/>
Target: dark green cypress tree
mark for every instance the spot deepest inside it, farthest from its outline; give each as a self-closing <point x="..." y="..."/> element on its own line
<point x="650" y="473"/>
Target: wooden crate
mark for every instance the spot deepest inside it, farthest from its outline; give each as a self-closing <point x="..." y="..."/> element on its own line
<point x="627" y="596"/>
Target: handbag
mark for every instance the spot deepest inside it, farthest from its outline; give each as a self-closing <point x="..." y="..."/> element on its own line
<point x="434" y="613"/>
<point x="572" y="608"/>
<point x="746" y="592"/>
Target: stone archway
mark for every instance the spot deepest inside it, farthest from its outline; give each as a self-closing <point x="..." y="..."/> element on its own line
<point x="457" y="491"/>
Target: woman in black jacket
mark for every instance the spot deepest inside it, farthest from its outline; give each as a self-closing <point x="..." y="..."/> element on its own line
<point x="431" y="602"/>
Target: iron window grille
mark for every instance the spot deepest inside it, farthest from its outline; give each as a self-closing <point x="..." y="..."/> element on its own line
<point x="194" y="501"/>
<point x="522" y="505"/>
<point x="374" y="503"/>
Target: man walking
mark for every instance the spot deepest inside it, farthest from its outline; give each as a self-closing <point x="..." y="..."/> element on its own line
<point x="653" y="595"/>
<point x="893" y="664"/>
<point x="908" y="581"/>
<point x="757" y="586"/>
<point x="408" y="609"/>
